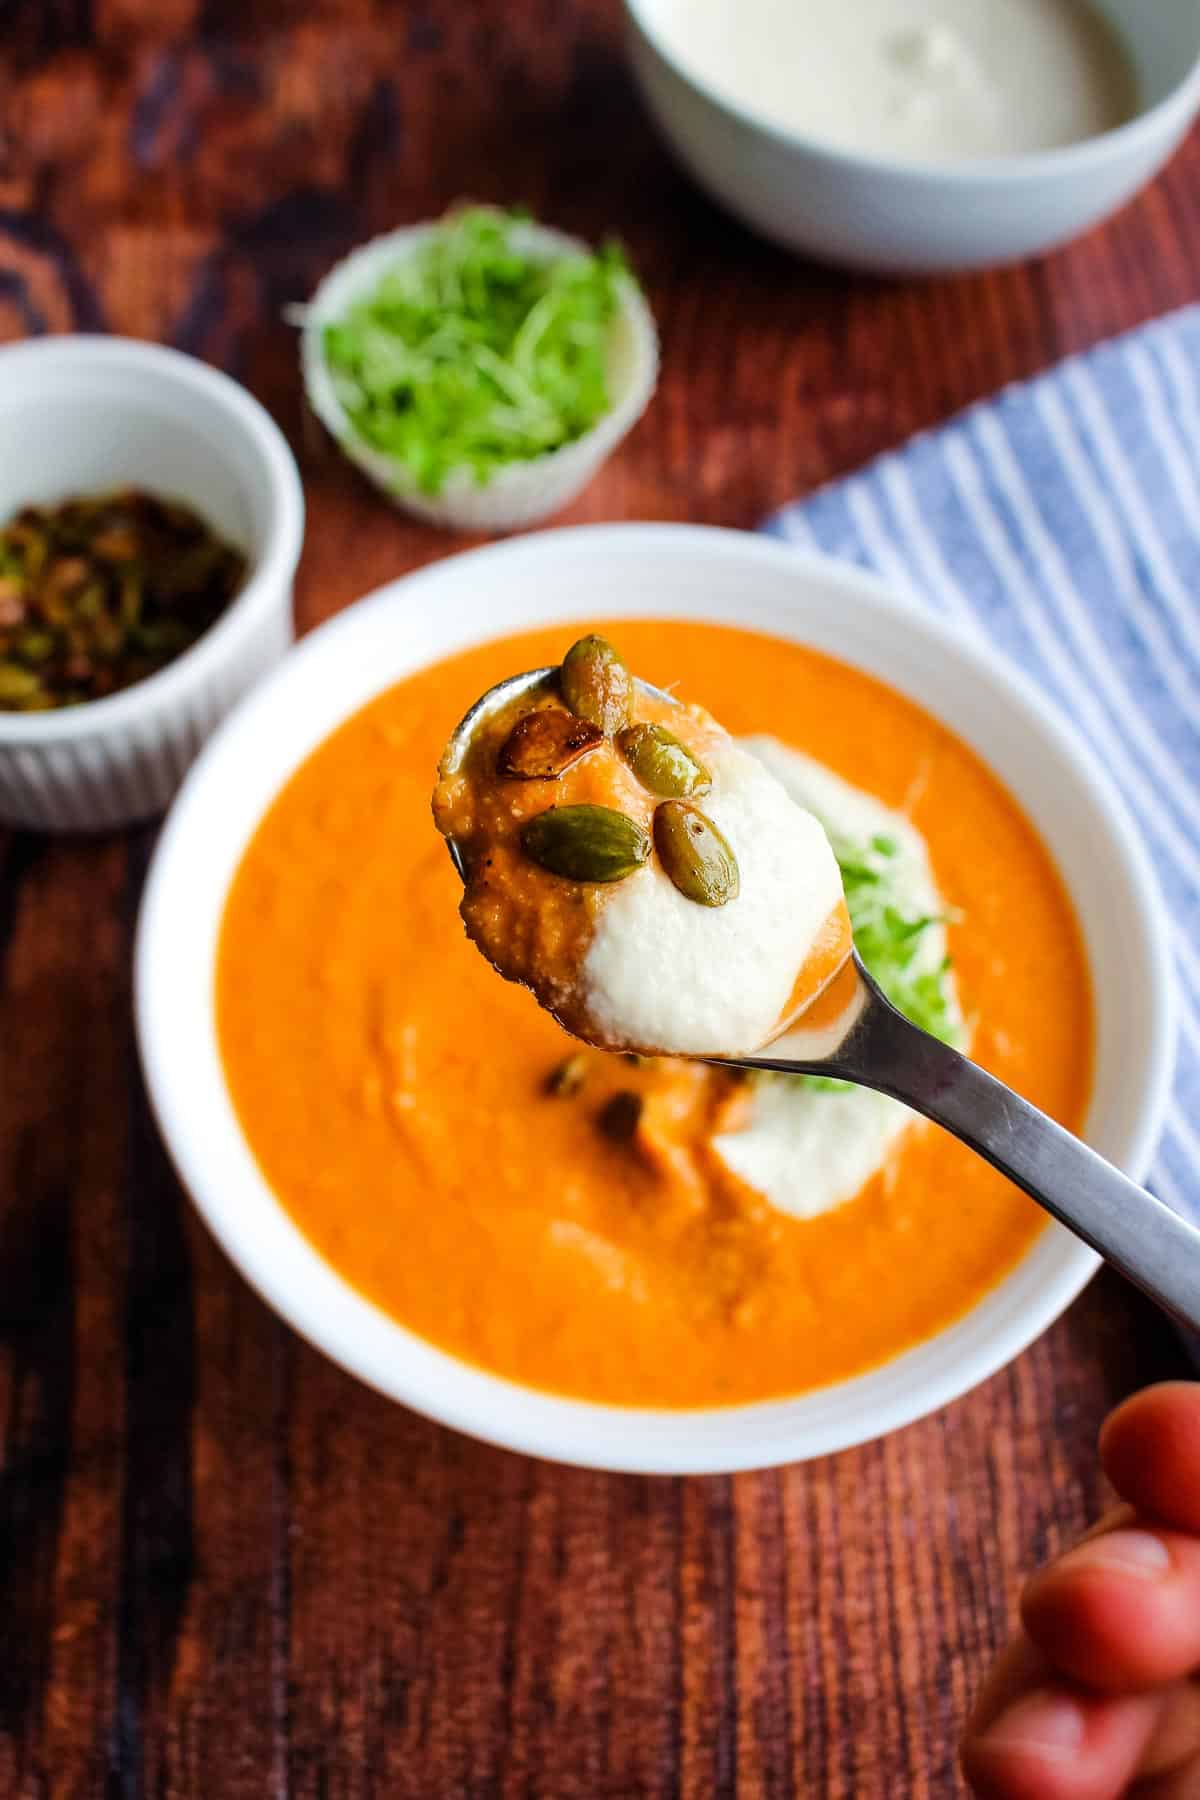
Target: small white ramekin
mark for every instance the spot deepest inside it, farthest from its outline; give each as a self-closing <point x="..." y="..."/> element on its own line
<point x="895" y="216"/>
<point x="523" y="492"/>
<point x="82" y="415"/>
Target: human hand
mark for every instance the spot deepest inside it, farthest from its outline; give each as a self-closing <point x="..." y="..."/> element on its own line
<point x="1099" y="1694"/>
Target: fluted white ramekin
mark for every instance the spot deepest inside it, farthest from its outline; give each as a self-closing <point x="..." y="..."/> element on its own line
<point x="82" y="415"/>
<point x="523" y="492"/>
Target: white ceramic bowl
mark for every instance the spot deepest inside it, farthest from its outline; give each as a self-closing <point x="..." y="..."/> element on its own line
<point x="579" y="575"/>
<point x="524" y="492"/>
<point x="908" y="217"/>
<point x="80" y="415"/>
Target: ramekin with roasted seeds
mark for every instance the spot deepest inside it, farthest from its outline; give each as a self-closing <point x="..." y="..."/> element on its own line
<point x="151" y="518"/>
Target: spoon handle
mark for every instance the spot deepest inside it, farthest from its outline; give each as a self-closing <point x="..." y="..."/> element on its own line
<point x="1151" y="1245"/>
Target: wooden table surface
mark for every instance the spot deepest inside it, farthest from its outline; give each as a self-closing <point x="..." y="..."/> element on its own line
<point x="226" y="1569"/>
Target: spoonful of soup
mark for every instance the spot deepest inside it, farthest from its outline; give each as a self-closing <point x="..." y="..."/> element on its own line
<point x="661" y="892"/>
<point x="622" y="856"/>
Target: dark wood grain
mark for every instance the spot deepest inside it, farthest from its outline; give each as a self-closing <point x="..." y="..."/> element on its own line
<point x="226" y="1570"/>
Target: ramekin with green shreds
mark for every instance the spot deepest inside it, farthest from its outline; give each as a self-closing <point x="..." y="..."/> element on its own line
<point x="481" y="368"/>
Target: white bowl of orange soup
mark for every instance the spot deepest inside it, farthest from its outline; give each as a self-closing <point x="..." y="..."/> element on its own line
<point x="362" y="1109"/>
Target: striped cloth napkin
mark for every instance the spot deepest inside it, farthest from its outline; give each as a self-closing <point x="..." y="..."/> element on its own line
<point x="1061" y="521"/>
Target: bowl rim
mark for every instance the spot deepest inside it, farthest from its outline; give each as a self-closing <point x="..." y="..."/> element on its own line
<point x="986" y="171"/>
<point x="492" y="1407"/>
<point x="274" y="567"/>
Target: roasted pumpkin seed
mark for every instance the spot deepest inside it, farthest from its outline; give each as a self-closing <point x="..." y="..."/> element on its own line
<point x="585" y="843"/>
<point x="695" y="854"/>
<point x="12" y="602"/>
<point x="621" y="1115"/>
<point x="544" y="744"/>
<point x="17" y="684"/>
<point x="566" y="1078"/>
<point x="661" y="763"/>
<point x="596" y="685"/>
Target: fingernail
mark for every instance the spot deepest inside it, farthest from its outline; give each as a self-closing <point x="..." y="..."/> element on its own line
<point x="1132" y="1552"/>
<point x="1045" y="1722"/>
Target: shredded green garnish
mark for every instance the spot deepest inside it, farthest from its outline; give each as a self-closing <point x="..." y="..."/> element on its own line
<point x="476" y="354"/>
<point x="888" y="940"/>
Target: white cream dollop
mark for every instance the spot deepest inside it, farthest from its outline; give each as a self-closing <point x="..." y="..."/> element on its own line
<point x="664" y="973"/>
<point x="808" y="1150"/>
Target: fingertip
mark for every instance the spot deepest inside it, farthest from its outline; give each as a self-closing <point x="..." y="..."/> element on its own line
<point x="1150" y="1448"/>
<point x="1027" y="1751"/>
<point x="1001" y="1775"/>
<point x="1059" y="1743"/>
<point x="1120" y="1612"/>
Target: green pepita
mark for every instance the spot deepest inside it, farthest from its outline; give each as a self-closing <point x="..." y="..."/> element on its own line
<point x="586" y="843"/>
<point x="661" y="763"/>
<point x="17" y="684"/>
<point x="695" y="854"/>
<point x="35" y="646"/>
<point x="596" y="685"/>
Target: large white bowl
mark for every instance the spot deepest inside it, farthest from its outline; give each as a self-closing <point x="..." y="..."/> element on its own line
<point x="82" y="415"/>
<point x="907" y="217"/>
<point x="579" y="575"/>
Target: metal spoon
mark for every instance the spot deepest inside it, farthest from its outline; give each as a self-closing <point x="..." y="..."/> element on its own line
<point x="877" y="1047"/>
<point x="872" y="1045"/>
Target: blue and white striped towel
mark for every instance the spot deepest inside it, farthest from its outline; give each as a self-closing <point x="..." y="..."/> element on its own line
<point x="1062" y="521"/>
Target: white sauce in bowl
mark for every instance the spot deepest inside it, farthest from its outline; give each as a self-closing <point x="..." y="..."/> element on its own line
<point x="925" y="80"/>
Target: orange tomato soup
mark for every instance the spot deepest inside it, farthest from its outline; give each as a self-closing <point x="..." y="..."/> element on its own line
<point x="397" y="1092"/>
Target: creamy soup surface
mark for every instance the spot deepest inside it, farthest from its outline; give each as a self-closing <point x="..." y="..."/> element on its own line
<point x="937" y="80"/>
<point x="561" y="1215"/>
